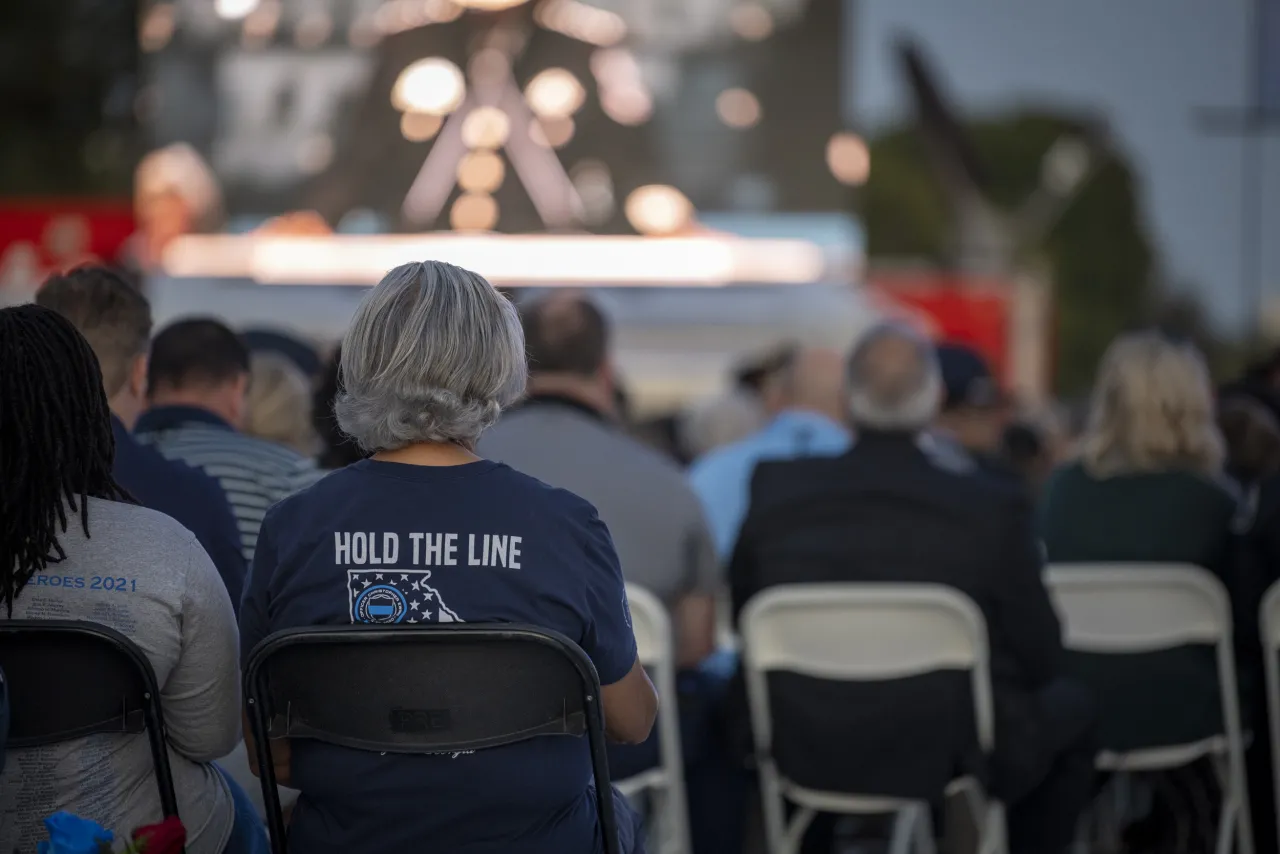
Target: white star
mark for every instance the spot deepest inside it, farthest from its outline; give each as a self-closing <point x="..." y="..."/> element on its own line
<point x="365" y="583"/>
<point x="378" y="577"/>
<point x="415" y="585"/>
<point x="404" y="577"/>
<point x="413" y="606"/>
<point x="412" y="620"/>
<point x="427" y="596"/>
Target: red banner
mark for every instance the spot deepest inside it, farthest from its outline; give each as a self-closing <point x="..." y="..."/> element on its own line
<point x="39" y="237"/>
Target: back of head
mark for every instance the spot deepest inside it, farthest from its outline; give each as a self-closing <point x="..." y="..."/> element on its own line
<point x="433" y="354"/>
<point x="196" y="353"/>
<point x="56" y="444"/>
<point x="1252" y="437"/>
<point x="109" y="311"/>
<point x="894" y="381"/>
<point x="813" y="379"/>
<point x="565" y="333"/>
<point x="1152" y="410"/>
<point x="279" y="403"/>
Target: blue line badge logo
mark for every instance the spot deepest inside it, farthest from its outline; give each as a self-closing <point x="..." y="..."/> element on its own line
<point x="388" y="596"/>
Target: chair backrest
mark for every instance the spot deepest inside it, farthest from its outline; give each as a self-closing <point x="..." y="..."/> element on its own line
<point x="651" y="626"/>
<point x="68" y="679"/>
<point x="1138" y="607"/>
<point x="424" y="689"/>
<point x="432" y="689"/>
<point x="104" y="682"/>
<point x="865" y="632"/>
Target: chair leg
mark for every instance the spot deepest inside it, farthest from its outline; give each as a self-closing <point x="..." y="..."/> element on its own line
<point x="775" y="822"/>
<point x="904" y="837"/>
<point x="795" y="833"/>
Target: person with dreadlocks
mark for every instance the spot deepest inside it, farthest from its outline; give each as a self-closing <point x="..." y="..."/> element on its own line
<point x="74" y="546"/>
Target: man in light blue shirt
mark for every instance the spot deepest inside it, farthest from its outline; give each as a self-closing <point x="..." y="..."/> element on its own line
<point x="806" y="398"/>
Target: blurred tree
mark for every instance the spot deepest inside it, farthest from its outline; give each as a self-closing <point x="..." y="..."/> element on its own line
<point x="1099" y="253"/>
<point x="68" y="83"/>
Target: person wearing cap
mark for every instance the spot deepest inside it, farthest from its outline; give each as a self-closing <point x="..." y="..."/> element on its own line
<point x="973" y="409"/>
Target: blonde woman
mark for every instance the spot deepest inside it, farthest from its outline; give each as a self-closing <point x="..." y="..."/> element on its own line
<point x="1148" y="487"/>
<point x="280" y="403"/>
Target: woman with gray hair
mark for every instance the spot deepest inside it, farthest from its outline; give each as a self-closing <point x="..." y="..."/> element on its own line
<point x="425" y="531"/>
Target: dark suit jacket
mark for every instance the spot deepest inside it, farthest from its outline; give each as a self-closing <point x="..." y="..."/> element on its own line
<point x="897" y="509"/>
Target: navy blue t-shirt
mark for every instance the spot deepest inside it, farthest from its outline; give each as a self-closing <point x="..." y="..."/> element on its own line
<point x="387" y="543"/>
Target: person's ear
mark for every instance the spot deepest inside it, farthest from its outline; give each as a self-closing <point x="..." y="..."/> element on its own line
<point x="137" y="380"/>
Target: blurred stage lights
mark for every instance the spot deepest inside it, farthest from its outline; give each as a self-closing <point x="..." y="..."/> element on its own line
<point x="658" y="210"/>
<point x="433" y="85"/>
<point x="474" y="212"/>
<point x="630" y="105"/>
<point x="234" y="10"/>
<point x="486" y="127"/>
<point x="481" y="172"/>
<point x="751" y="21"/>
<point x="581" y="21"/>
<point x="552" y="133"/>
<point x="419" y="127"/>
<point x="738" y="108"/>
<point x="157" y="27"/>
<point x="490" y="5"/>
<point x="848" y="158"/>
<point x="555" y="94"/>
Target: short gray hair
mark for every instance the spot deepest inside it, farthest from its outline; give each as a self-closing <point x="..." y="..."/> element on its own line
<point x="433" y="354"/>
<point x="895" y="382"/>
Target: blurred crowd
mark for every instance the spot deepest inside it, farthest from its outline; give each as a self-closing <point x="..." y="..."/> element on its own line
<point x="899" y="459"/>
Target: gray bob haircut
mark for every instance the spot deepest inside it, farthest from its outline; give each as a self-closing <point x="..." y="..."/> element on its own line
<point x="895" y="382"/>
<point x="433" y="354"/>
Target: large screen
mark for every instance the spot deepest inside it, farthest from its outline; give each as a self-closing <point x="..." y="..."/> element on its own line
<point x="413" y="115"/>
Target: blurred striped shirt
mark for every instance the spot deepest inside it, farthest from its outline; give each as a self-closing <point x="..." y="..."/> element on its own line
<point x="254" y="473"/>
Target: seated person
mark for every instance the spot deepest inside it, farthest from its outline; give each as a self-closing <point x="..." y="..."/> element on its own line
<point x="901" y="506"/>
<point x="432" y="355"/>
<point x="1149" y="487"/>
<point x="68" y="528"/>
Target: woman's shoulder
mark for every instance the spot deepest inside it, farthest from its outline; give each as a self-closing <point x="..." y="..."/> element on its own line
<point x="551" y="500"/>
<point x="132" y="527"/>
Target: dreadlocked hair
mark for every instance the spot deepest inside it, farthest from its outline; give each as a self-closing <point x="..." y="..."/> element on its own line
<point x="56" y="445"/>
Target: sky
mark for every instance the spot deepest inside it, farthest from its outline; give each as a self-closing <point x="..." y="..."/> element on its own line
<point x="1144" y="66"/>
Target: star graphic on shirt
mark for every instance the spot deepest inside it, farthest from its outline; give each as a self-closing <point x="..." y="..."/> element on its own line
<point x="427" y="596"/>
<point x="365" y="583"/>
<point x="404" y="577"/>
<point x="378" y="577"/>
<point x="413" y="606"/>
<point x="415" y="585"/>
<point x="413" y="620"/>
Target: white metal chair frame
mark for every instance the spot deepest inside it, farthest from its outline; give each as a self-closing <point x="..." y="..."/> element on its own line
<point x="1269" y="622"/>
<point x="1130" y="608"/>
<point x="655" y="646"/>
<point x="856" y="632"/>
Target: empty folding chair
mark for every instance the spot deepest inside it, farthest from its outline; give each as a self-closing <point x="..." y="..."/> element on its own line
<point x="457" y="688"/>
<point x="865" y="633"/>
<point x="104" y="684"/>
<point x="664" y="783"/>
<point x="1126" y="608"/>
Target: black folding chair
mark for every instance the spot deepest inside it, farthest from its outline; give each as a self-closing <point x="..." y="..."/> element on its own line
<point x="68" y="679"/>
<point x="451" y="689"/>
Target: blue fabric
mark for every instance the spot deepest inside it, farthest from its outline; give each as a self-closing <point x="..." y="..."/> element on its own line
<point x="160" y="418"/>
<point x="387" y="543"/>
<point x="722" y="478"/>
<point x="186" y="494"/>
<point x="248" y="833"/>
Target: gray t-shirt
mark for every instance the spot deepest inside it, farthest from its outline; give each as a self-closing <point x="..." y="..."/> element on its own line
<point x="656" y="521"/>
<point x="144" y="575"/>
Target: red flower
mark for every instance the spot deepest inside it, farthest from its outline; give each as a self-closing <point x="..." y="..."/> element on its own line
<point x="167" y="837"/>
